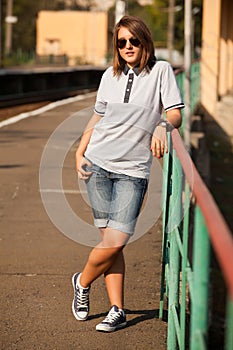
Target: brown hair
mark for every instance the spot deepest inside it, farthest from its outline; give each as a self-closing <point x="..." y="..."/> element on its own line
<point x="139" y="29"/>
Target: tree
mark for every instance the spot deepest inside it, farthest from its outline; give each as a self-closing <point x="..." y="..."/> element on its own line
<point x="155" y="15"/>
<point x="24" y="31"/>
<point x="80" y="5"/>
<point x="158" y="21"/>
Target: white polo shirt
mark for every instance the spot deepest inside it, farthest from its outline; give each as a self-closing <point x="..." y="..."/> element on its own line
<point x="131" y="106"/>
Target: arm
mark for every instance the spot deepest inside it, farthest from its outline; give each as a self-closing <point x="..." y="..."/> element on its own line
<point x="159" y="138"/>
<point x="174" y="117"/>
<point x="80" y="159"/>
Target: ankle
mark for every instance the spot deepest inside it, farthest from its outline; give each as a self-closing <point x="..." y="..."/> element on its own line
<point x="119" y="306"/>
<point x="80" y="283"/>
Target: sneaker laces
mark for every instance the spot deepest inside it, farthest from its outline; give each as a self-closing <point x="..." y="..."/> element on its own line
<point x="82" y="297"/>
<point x="112" y="316"/>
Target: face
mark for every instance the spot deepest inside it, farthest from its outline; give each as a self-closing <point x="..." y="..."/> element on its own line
<point x="130" y="53"/>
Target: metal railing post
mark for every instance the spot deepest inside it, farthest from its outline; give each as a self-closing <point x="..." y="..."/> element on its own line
<point x="199" y="307"/>
<point x="184" y="266"/>
<point x="166" y="192"/>
<point x="175" y="215"/>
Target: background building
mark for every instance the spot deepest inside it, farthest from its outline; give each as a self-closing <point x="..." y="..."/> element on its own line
<point x="217" y="100"/>
<point x="81" y="36"/>
<point x="217" y="60"/>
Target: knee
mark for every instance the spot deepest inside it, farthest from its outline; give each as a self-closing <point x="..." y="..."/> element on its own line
<point x="100" y="256"/>
<point x="112" y="238"/>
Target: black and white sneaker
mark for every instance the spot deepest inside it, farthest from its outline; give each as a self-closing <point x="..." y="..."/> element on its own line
<point x="114" y="320"/>
<point x="80" y="305"/>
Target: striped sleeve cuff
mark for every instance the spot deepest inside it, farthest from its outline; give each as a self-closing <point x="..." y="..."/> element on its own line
<point x="178" y="105"/>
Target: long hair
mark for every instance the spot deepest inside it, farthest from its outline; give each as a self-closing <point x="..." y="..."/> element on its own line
<point x="139" y="30"/>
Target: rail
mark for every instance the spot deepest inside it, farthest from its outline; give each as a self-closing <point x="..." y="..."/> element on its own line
<point x="192" y="226"/>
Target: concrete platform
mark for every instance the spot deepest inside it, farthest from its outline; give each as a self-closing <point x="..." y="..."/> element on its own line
<point x="37" y="260"/>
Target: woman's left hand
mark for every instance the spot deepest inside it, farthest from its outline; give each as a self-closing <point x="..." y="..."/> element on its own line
<point x="159" y="143"/>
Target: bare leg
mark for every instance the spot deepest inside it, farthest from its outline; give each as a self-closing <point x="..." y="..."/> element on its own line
<point x="114" y="279"/>
<point x="104" y="255"/>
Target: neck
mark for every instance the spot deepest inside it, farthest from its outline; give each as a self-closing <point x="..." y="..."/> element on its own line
<point x="132" y="66"/>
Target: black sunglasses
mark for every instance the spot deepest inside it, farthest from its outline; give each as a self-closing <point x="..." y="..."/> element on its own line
<point x="121" y="43"/>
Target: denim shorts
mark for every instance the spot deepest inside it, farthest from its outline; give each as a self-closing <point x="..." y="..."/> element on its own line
<point x="116" y="199"/>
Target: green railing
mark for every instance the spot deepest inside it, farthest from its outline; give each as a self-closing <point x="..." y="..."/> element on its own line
<point x="192" y="224"/>
<point x="195" y="83"/>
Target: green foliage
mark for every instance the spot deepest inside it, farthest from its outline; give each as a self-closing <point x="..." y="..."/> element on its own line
<point x="155" y="15"/>
<point x="197" y="23"/>
<point x="152" y="16"/>
<point x="24" y="31"/>
<point x="19" y="58"/>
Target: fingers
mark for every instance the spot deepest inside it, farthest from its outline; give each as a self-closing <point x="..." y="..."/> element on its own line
<point x="83" y="174"/>
<point x="87" y="162"/>
<point x="158" y="147"/>
<point x="159" y="144"/>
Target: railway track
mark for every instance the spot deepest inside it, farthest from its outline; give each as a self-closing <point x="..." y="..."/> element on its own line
<point x="36" y="86"/>
<point x="14" y="108"/>
<point x="11" y="111"/>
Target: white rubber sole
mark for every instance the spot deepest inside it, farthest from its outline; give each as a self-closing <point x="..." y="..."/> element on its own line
<point x="103" y="328"/>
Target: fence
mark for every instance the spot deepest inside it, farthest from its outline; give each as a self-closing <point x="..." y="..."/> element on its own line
<point x="195" y="83"/>
<point x="18" y="58"/>
<point x="192" y="225"/>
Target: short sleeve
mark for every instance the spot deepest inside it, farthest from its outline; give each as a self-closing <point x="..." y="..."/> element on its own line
<point x="101" y="103"/>
<point x="170" y="93"/>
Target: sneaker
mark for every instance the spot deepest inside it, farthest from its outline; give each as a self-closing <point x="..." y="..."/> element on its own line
<point x="114" y="320"/>
<point x="80" y="305"/>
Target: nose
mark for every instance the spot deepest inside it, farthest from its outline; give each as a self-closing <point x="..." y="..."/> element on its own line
<point x="128" y="44"/>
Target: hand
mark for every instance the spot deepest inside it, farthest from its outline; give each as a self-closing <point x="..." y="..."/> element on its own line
<point x="81" y="161"/>
<point x="159" y="143"/>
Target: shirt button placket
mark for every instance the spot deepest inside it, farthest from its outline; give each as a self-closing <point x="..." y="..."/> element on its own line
<point x="128" y="88"/>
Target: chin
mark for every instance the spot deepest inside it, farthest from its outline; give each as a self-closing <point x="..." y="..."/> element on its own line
<point x="131" y="63"/>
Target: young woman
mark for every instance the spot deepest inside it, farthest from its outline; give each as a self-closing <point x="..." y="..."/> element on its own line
<point x="115" y="154"/>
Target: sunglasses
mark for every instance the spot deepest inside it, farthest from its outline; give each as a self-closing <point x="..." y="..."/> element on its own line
<point x="121" y="43"/>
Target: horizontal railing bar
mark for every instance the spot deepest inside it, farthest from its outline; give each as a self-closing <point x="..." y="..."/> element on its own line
<point x="218" y="230"/>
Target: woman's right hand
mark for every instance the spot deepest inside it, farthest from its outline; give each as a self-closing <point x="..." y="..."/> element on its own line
<point x="81" y="161"/>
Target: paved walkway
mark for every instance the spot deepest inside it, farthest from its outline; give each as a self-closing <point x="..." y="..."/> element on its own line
<point x="37" y="260"/>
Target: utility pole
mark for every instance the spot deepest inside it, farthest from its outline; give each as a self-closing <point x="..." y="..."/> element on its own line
<point x="120" y="10"/>
<point x="8" y="37"/>
<point x="187" y="70"/>
<point x="170" y="33"/>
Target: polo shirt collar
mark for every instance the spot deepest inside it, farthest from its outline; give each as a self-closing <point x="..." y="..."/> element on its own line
<point x="135" y="69"/>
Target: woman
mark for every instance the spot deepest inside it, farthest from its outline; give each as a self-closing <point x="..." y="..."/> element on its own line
<point x="115" y="154"/>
